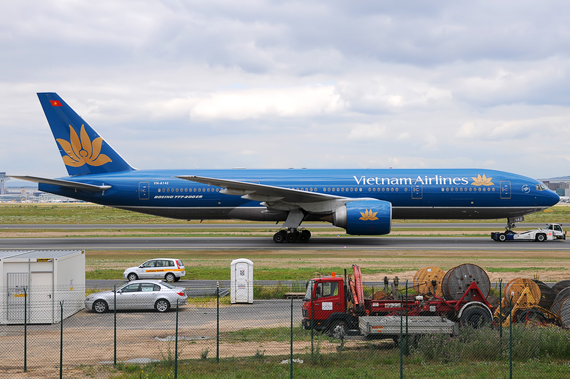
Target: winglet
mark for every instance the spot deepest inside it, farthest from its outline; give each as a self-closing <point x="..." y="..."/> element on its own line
<point x="82" y="149"/>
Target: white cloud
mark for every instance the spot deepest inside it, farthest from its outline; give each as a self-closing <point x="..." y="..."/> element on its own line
<point x="367" y="133"/>
<point x="306" y="101"/>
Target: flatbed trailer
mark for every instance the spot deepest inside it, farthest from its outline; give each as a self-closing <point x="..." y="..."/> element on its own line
<point x="391" y="326"/>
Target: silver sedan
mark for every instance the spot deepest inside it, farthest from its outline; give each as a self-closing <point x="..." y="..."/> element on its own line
<point x="138" y="294"/>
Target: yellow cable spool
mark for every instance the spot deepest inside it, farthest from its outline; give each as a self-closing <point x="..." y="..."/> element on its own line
<point x="515" y="288"/>
<point x="423" y="280"/>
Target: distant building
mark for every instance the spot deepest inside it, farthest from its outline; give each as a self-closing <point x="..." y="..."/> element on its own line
<point x="3" y="179"/>
<point x="28" y="194"/>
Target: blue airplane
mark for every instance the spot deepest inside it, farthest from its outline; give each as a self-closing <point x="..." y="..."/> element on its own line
<point x="362" y="201"/>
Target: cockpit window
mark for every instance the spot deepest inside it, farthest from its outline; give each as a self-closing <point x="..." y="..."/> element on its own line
<point x="541" y="187"/>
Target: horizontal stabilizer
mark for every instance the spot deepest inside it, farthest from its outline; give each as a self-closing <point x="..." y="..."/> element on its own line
<point x="63" y="183"/>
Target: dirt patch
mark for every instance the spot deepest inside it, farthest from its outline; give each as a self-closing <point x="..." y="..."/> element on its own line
<point x="94" y="349"/>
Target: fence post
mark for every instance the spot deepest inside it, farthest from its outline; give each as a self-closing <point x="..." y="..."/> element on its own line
<point x="25" y="330"/>
<point x="115" y="325"/>
<point x="401" y="337"/>
<point x="291" y="358"/>
<point x="218" y="322"/>
<point x="61" y="343"/>
<point x="501" y="316"/>
<point x="312" y="327"/>
<point x="407" y="336"/>
<point x="511" y="338"/>
<point x="176" y="345"/>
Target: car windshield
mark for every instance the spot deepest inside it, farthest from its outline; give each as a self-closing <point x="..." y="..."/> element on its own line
<point x="167" y="285"/>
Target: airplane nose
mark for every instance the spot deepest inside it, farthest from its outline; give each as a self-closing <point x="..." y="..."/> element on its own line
<point x="552" y="197"/>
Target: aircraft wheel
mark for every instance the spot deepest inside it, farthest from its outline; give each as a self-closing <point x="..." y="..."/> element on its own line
<point x="292" y="237"/>
<point x="304" y="236"/>
<point x="502" y="237"/>
<point x="279" y="237"/>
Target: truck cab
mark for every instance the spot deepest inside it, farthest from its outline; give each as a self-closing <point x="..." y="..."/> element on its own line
<point x="557" y="231"/>
<point x="325" y="303"/>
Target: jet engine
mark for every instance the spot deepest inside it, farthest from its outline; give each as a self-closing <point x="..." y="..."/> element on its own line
<point x="364" y="217"/>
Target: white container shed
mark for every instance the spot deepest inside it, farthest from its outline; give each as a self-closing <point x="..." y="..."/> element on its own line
<point x="242" y="281"/>
<point x="49" y="277"/>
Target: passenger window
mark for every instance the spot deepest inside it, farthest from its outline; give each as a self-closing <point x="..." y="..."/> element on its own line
<point x="132" y="288"/>
<point x="147" y="287"/>
<point x="156" y="287"/>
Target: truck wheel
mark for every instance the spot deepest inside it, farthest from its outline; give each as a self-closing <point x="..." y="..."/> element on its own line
<point x="475" y="316"/>
<point x="540" y="237"/>
<point x="502" y="237"/>
<point x="338" y="329"/>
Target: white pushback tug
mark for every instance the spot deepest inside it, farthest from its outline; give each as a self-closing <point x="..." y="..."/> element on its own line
<point x="548" y="233"/>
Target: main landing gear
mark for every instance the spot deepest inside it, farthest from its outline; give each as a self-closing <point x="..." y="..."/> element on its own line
<point x="292" y="235"/>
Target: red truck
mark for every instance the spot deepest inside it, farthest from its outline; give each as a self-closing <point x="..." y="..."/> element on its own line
<point x="335" y="305"/>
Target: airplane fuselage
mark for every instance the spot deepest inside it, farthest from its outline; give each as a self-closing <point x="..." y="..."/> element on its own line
<point x="413" y="193"/>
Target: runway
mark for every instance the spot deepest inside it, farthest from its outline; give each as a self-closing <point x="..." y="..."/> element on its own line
<point x="265" y="243"/>
<point x="419" y="225"/>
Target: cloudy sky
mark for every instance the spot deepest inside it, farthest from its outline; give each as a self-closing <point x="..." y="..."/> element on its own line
<point x="279" y="84"/>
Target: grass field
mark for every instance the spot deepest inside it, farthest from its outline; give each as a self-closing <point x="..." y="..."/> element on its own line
<point x="279" y="264"/>
<point x="303" y="265"/>
<point x="96" y="214"/>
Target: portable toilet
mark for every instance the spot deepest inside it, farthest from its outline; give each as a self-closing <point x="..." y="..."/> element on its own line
<point x="36" y="282"/>
<point x="242" y="281"/>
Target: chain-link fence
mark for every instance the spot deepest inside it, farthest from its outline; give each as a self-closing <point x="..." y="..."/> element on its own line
<point x="208" y="337"/>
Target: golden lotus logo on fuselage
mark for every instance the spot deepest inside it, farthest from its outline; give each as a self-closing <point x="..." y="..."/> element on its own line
<point x="482" y="181"/>
<point x="82" y="151"/>
<point x="368" y="215"/>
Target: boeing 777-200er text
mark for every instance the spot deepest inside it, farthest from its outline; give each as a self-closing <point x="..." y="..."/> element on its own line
<point x="362" y="201"/>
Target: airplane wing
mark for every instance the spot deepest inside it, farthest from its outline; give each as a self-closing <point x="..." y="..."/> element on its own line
<point x="63" y="183"/>
<point x="262" y="192"/>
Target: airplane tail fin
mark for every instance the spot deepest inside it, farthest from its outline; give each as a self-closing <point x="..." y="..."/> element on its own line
<point x="82" y="149"/>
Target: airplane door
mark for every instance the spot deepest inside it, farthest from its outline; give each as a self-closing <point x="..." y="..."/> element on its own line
<point x="505" y="190"/>
<point x="144" y="188"/>
<point x="417" y="191"/>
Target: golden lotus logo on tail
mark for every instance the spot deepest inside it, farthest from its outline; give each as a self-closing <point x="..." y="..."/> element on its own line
<point x="82" y="151"/>
<point x="482" y="181"/>
<point x="368" y="215"/>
